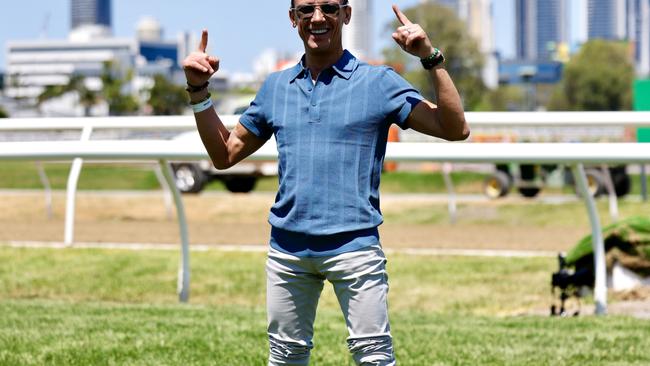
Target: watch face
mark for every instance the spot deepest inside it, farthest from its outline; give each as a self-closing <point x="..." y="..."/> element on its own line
<point x="435" y="59"/>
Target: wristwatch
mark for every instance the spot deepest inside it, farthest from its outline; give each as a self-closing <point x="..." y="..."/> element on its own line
<point x="433" y="60"/>
<point x="193" y="88"/>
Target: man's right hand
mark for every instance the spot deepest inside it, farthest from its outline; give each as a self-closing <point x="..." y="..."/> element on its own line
<point x="199" y="66"/>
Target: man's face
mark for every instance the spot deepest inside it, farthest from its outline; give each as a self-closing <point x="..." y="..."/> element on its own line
<point x="320" y="23"/>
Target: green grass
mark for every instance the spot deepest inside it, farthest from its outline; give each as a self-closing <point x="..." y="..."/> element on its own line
<point x="224" y="278"/>
<point x="414" y="182"/>
<point x="58" y="333"/>
<point x="112" y="307"/>
<point x="24" y="175"/>
<point x="532" y="213"/>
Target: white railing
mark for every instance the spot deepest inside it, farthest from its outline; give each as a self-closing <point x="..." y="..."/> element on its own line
<point x="133" y="123"/>
<point x="537" y="153"/>
<point x="558" y="119"/>
<point x="475" y="119"/>
<point x="576" y="155"/>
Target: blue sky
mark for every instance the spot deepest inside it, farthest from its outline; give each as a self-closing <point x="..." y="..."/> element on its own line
<point x="239" y="29"/>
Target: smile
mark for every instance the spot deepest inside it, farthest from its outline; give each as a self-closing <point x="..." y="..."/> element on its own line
<point x="318" y="31"/>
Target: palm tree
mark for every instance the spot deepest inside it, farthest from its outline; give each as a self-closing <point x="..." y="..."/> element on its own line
<point x="167" y="98"/>
<point x="87" y="98"/>
<point x="119" y="103"/>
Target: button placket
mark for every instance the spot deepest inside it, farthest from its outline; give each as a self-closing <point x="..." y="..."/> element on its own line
<point x="314" y="106"/>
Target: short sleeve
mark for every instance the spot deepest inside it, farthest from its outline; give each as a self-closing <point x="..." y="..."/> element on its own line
<point x="254" y="118"/>
<point x="401" y="97"/>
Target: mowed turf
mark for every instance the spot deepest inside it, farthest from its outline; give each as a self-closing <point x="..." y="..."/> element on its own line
<point x="58" y="333"/>
<point x="114" y="307"/>
<point x="124" y="176"/>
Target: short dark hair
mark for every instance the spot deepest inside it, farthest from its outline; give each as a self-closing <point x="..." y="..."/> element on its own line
<point x="342" y="2"/>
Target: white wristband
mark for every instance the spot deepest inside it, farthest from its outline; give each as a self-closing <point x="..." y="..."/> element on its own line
<point x="204" y="105"/>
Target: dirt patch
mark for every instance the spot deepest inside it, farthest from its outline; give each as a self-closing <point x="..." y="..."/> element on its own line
<point x="222" y="218"/>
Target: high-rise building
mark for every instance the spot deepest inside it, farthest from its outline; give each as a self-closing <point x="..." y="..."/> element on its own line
<point x="478" y="16"/>
<point x="607" y="19"/>
<point x="34" y="65"/>
<point x="627" y="20"/>
<point x="541" y="28"/>
<point x="480" y="21"/>
<point x="580" y="23"/>
<point x="455" y="5"/>
<point x="90" y="12"/>
<point x="639" y="30"/>
<point x="357" y="36"/>
<point x="525" y="25"/>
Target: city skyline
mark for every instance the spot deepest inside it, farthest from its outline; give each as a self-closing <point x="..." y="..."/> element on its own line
<point x="55" y="18"/>
<point x="541" y="28"/>
<point x="53" y="22"/>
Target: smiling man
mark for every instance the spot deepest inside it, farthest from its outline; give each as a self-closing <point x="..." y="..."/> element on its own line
<point x="330" y="115"/>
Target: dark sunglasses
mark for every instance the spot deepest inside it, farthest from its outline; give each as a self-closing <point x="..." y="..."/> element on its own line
<point x="307" y="11"/>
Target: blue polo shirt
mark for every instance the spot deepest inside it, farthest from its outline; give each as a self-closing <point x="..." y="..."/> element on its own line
<point x="331" y="138"/>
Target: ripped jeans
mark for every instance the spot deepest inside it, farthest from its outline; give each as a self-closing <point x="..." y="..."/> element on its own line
<point x="294" y="285"/>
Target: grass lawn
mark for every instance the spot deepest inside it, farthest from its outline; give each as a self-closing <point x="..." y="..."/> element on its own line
<point x="114" y="307"/>
<point x="515" y="213"/>
<point x="58" y="333"/>
<point x="24" y="175"/>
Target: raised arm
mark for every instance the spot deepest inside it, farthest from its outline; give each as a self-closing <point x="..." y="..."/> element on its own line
<point x="224" y="147"/>
<point x="446" y="119"/>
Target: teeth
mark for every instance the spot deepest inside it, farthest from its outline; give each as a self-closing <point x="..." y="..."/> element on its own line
<point x="319" y="31"/>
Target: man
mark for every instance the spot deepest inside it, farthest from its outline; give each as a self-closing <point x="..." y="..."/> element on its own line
<point x="330" y="116"/>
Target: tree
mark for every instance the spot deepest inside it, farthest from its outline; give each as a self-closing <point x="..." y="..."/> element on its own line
<point x="113" y="85"/>
<point x="598" y="78"/>
<point x="166" y="98"/>
<point x="504" y="98"/>
<point x="87" y="97"/>
<point x="448" y="33"/>
<point x="3" y="113"/>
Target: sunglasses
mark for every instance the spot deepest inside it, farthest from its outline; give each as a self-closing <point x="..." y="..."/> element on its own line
<point x="307" y="11"/>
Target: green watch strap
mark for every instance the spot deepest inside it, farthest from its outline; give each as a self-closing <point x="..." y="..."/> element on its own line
<point x="433" y="60"/>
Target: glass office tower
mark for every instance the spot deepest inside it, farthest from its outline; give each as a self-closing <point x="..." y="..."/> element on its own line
<point x="90" y="12"/>
<point x="607" y="19"/>
<point x="541" y="27"/>
<point x="358" y="35"/>
<point x="639" y="31"/>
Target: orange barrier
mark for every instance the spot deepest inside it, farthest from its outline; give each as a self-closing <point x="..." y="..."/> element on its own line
<point x="393" y="136"/>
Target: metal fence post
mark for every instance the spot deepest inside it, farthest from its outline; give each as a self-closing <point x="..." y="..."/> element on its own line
<point x="600" y="285"/>
<point x="184" y="269"/>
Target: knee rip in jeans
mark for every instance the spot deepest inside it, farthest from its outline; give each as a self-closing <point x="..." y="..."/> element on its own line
<point x="284" y="350"/>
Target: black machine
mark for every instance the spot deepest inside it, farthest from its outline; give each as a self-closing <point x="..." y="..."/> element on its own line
<point x="530" y="179"/>
<point x="626" y="242"/>
<point x="571" y="284"/>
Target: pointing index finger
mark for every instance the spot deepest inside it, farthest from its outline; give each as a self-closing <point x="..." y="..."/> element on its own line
<point x="400" y="16"/>
<point x="204" y="41"/>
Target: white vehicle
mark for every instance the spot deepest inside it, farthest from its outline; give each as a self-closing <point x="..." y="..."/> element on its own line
<point x="192" y="176"/>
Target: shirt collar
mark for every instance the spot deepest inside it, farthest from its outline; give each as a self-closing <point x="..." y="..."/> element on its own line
<point x="345" y="66"/>
<point x="297" y="70"/>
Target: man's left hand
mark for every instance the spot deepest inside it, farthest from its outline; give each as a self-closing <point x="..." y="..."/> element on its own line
<point x="411" y="37"/>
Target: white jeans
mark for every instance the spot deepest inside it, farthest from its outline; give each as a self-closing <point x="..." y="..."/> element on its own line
<point x="360" y="282"/>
